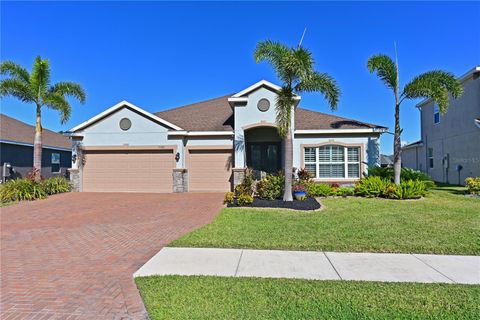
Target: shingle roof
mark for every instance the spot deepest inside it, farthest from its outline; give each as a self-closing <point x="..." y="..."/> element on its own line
<point x="210" y="115"/>
<point x="386" y="160"/>
<point x="217" y="115"/>
<point x="14" y="130"/>
<point x="312" y="120"/>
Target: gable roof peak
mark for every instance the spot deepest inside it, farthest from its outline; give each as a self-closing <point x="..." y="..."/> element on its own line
<point x="259" y="84"/>
<point x="118" y="106"/>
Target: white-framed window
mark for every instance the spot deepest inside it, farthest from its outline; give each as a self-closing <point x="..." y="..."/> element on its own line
<point x="436" y="114"/>
<point x="55" y="166"/>
<point x="430" y="158"/>
<point x="333" y="162"/>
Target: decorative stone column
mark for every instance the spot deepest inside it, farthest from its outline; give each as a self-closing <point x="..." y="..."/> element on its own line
<point x="180" y="180"/>
<point x="75" y="179"/>
<point x="238" y="175"/>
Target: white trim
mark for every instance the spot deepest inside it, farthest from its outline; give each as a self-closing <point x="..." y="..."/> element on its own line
<point x="119" y="106"/>
<point x="236" y="99"/>
<point x="200" y="133"/>
<point x="323" y="131"/>
<point x="259" y="84"/>
<point x="73" y="134"/>
<point x="31" y="145"/>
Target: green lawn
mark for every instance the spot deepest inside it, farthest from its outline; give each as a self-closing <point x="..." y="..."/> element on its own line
<point x="177" y="297"/>
<point x="445" y="222"/>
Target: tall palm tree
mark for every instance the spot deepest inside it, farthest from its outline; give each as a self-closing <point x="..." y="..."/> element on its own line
<point x="437" y="85"/>
<point x="294" y="67"/>
<point x="35" y="88"/>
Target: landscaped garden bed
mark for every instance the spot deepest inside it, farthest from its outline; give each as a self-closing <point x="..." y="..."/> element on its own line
<point x="443" y="222"/>
<point x="268" y="192"/>
<point x="309" y="203"/>
<point x="27" y="189"/>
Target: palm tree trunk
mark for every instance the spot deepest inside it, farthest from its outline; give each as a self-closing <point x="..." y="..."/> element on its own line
<point x="37" y="146"/>
<point x="288" y="156"/>
<point x="397" y="147"/>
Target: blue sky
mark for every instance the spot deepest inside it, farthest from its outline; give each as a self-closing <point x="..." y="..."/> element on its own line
<point x="159" y="55"/>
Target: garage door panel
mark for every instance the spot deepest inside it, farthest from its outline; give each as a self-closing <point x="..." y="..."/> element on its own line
<point x="210" y="170"/>
<point x="128" y="171"/>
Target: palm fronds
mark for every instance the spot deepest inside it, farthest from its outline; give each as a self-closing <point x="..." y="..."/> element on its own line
<point x="436" y="85"/>
<point x="385" y="68"/>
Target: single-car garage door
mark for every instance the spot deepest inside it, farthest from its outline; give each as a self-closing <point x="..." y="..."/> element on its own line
<point x="128" y="171"/>
<point x="209" y="170"/>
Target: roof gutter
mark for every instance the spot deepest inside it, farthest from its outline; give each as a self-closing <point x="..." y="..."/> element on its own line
<point x="326" y="131"/>
<point x="200" y="133"/>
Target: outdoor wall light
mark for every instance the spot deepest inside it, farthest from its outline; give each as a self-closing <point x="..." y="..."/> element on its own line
<point x="177" y="156"/>
<point x="74" y="158"/>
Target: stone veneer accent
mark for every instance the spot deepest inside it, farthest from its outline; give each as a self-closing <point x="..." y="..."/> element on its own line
<point x="180" y="180"/>
<point x="75" y="179"/>
<point x="238" y="175"/>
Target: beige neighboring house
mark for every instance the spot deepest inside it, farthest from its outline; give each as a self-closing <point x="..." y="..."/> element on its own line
<point x="207" y="146"/>
<point x="449" y="149"/>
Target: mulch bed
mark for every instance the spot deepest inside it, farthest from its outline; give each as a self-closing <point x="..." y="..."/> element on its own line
<point x="307" y="204"/>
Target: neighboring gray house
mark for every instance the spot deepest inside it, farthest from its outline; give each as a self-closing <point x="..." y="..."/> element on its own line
<point x="16" y="149"/>
<point x="449" y="149"/>
<point x="207" y="146"/>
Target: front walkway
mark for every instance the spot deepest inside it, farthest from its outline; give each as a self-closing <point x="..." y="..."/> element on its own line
<point x="314" y="265"/>
<point x="72" y="255"/>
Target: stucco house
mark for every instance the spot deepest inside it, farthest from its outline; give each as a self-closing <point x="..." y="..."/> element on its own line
<point x="206" y="146"/>
<point x="16" y="150"/>
<point x="449" y="148"/>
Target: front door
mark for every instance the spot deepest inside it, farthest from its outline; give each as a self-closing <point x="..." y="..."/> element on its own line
<point x="264" y="156"/>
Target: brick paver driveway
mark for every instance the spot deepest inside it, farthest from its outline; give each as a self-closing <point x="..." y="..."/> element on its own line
<point x="72" y="256"/>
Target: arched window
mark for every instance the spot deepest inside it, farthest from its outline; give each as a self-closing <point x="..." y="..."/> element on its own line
<point x="333" y="162"/>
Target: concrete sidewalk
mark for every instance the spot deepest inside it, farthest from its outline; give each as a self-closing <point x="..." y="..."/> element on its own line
<point x="314" y="265"/>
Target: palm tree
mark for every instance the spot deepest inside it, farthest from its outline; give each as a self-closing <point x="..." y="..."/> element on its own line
<point x="294" y="67"/>
<point x="36" y="88"/>
<point x="436" y="85"/>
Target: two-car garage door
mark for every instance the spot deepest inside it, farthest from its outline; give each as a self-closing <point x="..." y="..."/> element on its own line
<point x="128" y="171"/>
<point x="151" y="170"/>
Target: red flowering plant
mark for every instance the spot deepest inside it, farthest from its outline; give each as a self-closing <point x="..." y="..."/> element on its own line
<point x="299" y="187"/>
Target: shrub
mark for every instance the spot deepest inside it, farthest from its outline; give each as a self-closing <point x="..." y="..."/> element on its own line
<point x="382" y="172"/>
<point x="411" y="189"/>
<point x="229" y="198"/>
<point x="345" y="191"/>
<point x="371" y="186"/>
<point x="319" y="190"/>
<point x="473" y="185"/>
<point x="244" y="200"/>
<point x="271" y="187"/>
<point x="56" y="185"/>
<point x="21" y="189"/>
<point x="392" y="192"/>
<point x="247" y="185"/>
<point x="405" y="174"/>
<point x="410" y="174"/>
<point x="304" y="175"/>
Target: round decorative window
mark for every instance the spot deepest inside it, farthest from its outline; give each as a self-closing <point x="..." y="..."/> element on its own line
<point x="263" y="105"/>
<point x="125" y="124"/>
